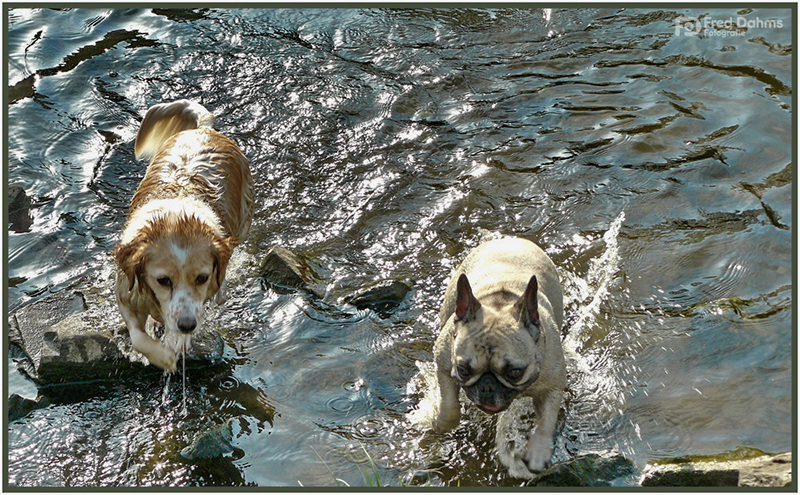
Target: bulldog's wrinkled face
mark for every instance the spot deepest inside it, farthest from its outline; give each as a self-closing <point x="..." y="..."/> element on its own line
<point x="497" y="348"/>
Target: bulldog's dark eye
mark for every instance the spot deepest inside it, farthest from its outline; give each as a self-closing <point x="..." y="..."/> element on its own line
<point x="164" y="281"/>
<point x="463" y="371"/>
<point x="201" y="279"/>
<point x="515" y="374"/>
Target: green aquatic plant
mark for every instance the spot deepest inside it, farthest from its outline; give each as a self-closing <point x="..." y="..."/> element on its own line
<point x="371" y="474"/>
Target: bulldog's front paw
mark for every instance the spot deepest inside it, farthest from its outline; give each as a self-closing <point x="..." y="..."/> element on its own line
<point x="538" y="455"/>
<point x="445" y="422"/>
<point x="536" y="463"/>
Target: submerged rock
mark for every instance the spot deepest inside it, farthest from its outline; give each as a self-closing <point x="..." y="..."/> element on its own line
<point x="382" y="298"/>
<point x="588" y="470"/>
<point x="286" y="271"/>
<point x="761" y="471"/>
<point x="211" y="444"/>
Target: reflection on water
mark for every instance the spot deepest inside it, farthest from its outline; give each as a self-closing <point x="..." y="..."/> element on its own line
<point x="653" y="165"/>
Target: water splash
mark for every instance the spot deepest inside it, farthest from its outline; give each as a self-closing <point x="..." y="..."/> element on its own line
<point x="424" y="383"/>
<point x="590" y="292"/>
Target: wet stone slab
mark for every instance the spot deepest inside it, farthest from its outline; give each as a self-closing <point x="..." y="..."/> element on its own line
<point x="588" y="470"/>
<point x="761" y="471"/>
<point x="77" y="335"/>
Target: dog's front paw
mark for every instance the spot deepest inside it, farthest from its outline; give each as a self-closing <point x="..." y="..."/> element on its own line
<point x="164" y="359"/>
<point x="222" y="293"/>
<point x="538" y="455"/>
<point x="443" y="423"/>
<point x="220" y="297"/>
<point x="536" y="463"/>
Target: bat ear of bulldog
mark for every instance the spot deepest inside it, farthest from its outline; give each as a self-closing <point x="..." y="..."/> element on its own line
<point x="466" y="303"/>
<point x="529" y="303"/>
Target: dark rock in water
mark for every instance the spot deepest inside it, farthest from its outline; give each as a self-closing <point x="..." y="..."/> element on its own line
<point x="19" y="209"/>
<point x="66" y="340"/>
<point x="726" y="470"/>
<point x="211" y="444"/>
<point x="19" y="407"/>
<point x="207" y="348"/>
<point x="588" y="470"/>
<point x="286" y="271"/>
<point x="383" y="298"/>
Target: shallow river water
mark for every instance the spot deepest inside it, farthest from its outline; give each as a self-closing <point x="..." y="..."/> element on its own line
<point x="652" y="161"/>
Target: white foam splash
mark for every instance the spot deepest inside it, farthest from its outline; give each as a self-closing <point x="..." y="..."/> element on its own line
<point x="424" y="383"/>
<point x="594" y="289"/>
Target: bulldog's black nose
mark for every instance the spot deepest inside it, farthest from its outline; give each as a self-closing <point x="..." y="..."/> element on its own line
<point x="186" y="324"/>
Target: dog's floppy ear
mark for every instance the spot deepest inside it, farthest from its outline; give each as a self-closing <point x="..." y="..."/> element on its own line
<point x="466" y="303"/>
<point x="222" y="254"/>
<point x="130" y="260"/>
<point x="529" y="307"/>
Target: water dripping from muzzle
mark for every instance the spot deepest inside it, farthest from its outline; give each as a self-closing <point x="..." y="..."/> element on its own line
<point x="165" y="393"/>
<point x="183" y="408"/>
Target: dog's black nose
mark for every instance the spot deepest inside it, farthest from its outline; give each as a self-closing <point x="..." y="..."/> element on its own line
<point x="186" y="324"/>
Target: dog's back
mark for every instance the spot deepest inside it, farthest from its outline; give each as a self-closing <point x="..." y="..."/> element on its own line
<point x="190" y="159"/>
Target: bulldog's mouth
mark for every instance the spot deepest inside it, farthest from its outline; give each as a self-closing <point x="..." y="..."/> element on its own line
<point x="489" y="394"/>
<point x="491" y="408"/>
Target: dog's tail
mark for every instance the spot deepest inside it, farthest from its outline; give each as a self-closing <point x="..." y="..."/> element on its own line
<point x="164" y="120"/>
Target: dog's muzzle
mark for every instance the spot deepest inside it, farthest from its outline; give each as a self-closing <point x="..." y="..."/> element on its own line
<point x="490" y="395"/>
<point x="187" y="324"/>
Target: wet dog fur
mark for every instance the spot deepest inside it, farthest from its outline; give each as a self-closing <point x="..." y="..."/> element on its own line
<point x="500" y="338"/>
<point x="193" y="207"/>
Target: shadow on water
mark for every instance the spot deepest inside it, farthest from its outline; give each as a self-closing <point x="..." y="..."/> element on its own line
<point x="654" y="166"/>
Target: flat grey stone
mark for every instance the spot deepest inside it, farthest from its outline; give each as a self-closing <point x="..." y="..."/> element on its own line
<point x="761" y="471"/>
<point x="78" y="335"/>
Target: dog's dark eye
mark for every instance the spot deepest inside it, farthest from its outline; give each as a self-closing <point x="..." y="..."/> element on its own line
<point x="164" y="281"/>
<point x="463" y="371"/>
<point x="515" y="374"/>
<point x="201" y="279"/>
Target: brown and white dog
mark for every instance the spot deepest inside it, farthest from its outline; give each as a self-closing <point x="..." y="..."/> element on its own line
<point x="193" y="207"/>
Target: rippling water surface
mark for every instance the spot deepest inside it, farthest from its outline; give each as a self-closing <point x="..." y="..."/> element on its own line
<point x="654" y="166"/>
